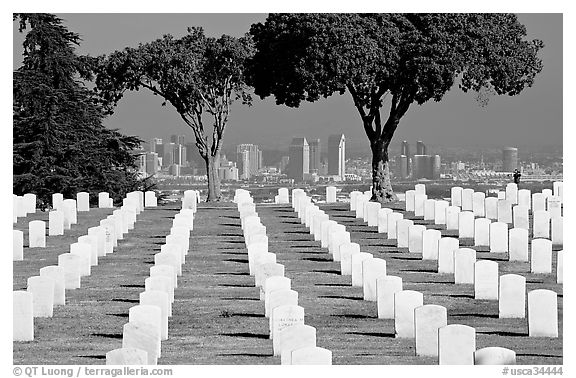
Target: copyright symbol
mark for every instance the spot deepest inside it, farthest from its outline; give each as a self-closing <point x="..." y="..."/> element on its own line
<point x="17" y="371"/>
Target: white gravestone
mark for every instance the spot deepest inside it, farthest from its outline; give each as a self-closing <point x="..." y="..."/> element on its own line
<point x="70" y="211"/>
<point x="360" y="200"/>
<point x="84" y="251"/>
<point x="325" y="226"/>
<point x="456" y="345"/>
<point x="330" y="194"/>
<point x="512" y="296"/>
<point x="261" y="259"/>
<point x="72" y="266"/>
<point x="147" y="314"/>
<point x="371" y="270"/>
<point x="127" y="356"/>
<point x="504" y="211"/>
<point x="558" y="187"/>
<point x="161" y="300"/>
<point x="253" y="251"/>
<point x="37" y="234"/>
<point x="420" y="188"/>
<point x="270" y="285"/>
<point x="336" y="240"/>
<point x="17" y="245"/>
<point x="409" y="200"/>
<point x="383" y="219"/>
<point x="267" y="270"/>
<point x="166" y="271"/>
<point x="353" y="196"/>
<point x="524" y="197"/>
<point x="386" y="287"/>
<point x="402" y="233"/>
<point x="100" y="234"/>
<point x="110" y="232"/>
<point x="478" y="204"/>
<point x="456" y="196"/>
<point x="373" y="208"/>
<point x="143" y="336"/>
<point x="283" y="317"/>
<point x="538" y="202"/>
<point x="541" y="256"/>
<point x="541" y="224"/>
<point x="464" y="259"/>
<point x="467" y="199"/>
<point x="446" y="249"/>
<point x="560" y="267"/>
<point x="466" y="224"/>
<point x="501" y="195"/>
<point x="319" y="218"/>
<point x="150" y="199"/>
<point x="486" y="280"/>
<point x="346" y="252"/>
<point x="56" y="222"/>
<point x="440" y="207"/>
<point x="20" y="207"/>
<point x="542" y="313"/>
<point x="557" y="230"/>
<point x="547" y="193"/>
<point x="56" y="273"/>
<point x="30" y="203"/>
<point x="419" y="204"/>
<point x="482" y="232"/>
<point x="160" y="283"/>
<point x="427" y="320"/>
<point x="277" y="298"/>
<point x="554" y="206"/>
<point x="22" y="316"/>
<point x="415" y="238"/>
<point x="520" y="217"/>
<point x="169" y="258"/>
<point x="405" y="302"/>
<point x="58" y="201"/>
<point x="103" y="200"/>
<point x="494" y="356"/>
<point x="429" y="209"/>
<point x="452" y="217"/>
<point x="393" y="219"/>
<point x="430" y="239"/>
<point x="311" y="356"/>
<point x="498" y="237"/>
<point x="357" y="263"/>
<point x="518" y="244"/>
<point x="491" y="207"/>
<point x="83" y="201"/>
<point x="292" y="338"/>
<point x="42" y="289"/>
<point x="512" y="193"/>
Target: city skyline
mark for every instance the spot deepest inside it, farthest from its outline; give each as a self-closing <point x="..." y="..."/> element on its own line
<point x="457" y="120"/>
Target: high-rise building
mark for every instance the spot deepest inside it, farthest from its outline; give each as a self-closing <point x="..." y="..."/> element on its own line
<point x="284" y="160"/>
<point x="509" y="159"/>
<point x="420" y="148"/>
<point x="178" y="139"/>
<point x="337" y="155"/>
<point x="436" y="165"/>
<point x="228" y="173"/>
<point x="153" y="143"/>
<point x="299" y="163"/>
<point x="254" y="158"/>
<point x="244" y="163"/>
<point x="405" y="149"/>
<point x="169" y="149"/>
<point x="314" y="147"/>
<point x="151" y="163"/>
<point x="422" y="166"/>
<point x="402" y="166"/>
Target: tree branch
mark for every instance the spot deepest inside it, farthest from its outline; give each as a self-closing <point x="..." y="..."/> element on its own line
<point x="366" y="120"/>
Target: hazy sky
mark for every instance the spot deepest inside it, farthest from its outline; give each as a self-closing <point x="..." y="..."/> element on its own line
<point x="532" y="118"/>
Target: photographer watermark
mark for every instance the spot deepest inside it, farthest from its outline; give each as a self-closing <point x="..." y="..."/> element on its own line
<point x="536" y="370"/>
<point x="88" y="371"/>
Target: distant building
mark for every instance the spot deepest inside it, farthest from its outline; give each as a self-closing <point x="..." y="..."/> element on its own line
<point x="244" y="165"/>
<point x="284" y="160"/>
<point x="228" y="173"/>
<point x="153" y="143"/>
<point x="405" y="149"/>
<point x="402" y="166"/>
<point x="299" y="163"/>
<point x="337" y="155"/>
<point x="178" y="139"/>
<point x="422" y="167"/>
<point x="250" y="165"/>
<point x="436" y="166"/>
<point x="420" y="148"/>
<point x="509" y="159"/>
<point x="151" y="163"/>
<point x="314" y="146"/>
<point x="169" y="154"/>
<point x="174" y="170"/>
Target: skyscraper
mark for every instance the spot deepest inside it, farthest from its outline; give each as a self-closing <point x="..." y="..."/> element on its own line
<point x="178" y="139"/>
<point x="402" y="166"/>
<point x="405" y="149"/>
<point x="299" y="162"/>
<point x="314" y="146"/>
<point x="253" y="161"/>
<point x="509" y="159"/>
<point x="168" y="154"/>
<point x="151" y="163"/>
<point x="153" y="143"/>
<point x="420" y="148"/>
<point x="337" y="155"/>
<point x="244" y="172"/>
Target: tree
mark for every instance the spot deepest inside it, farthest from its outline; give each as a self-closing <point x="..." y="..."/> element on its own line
<point x="391" y="60"/>
<point x="59" y="142"/>
<point x="198" y="75"/>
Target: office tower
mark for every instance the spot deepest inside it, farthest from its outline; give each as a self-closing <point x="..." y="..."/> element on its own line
<point x="159" y="149"/>
<point x="337" y="155"/>
<point x="190" y="151"/>
<point x="402" y="166"/>
<point x="228" y="173"/>
<point x="422" y="166"/>
<point x="405" y="149"/>
<point x="299" y="163"/>
<point x="168" y="154"/>
<point x="436" y="164"/>
<point x="152" y="144"/>
<point x="314" y="146"/>
<point x="179" y="153"/>
<point x="174" y="170"/>
<point x="509" y="159"/>
<point x="260" y="160"/>
<point x="178" y="139"/>
<point x="420" y="148"/>
<point x="151" y="163"/>
<point x="253" y="160"/>
<point x="284" y="160"/>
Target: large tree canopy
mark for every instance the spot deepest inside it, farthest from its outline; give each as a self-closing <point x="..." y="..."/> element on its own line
<point x="59" y="142"/>
<point x="391" y="60"/>
<point x="198" y="75"/>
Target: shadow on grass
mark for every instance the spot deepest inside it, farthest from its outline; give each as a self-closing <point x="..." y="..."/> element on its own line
<point x="125" y="300"/>
<point x="240" y="299"/>
<point x="246" y="334"/>
<point x="234" y="253"/>
<point x="120" y="315"/>
<point x="230" y="224"/>
<point x="233" y="241"/>
<point x="247" y="315"/>
<point x="503" y="333"/>
<point x="418" y="270"/>
<point x="334" y="284"/>
<point x="108" y="335"/>
<point x="246" y="355"/>
<point x="237" y="285"/>
<point x="406" y="257"/>
<point x="96" y="357"/>
<point x="316" y="259"/>
<point x="341" y="297"/>
<point x="136" y="286"/>
<point x="376" y="334"/>
<point x="297" y="232"/>
<point x="287" y="216"/>
<point x="353" y="316"/>
<point x="237" y="260"/>
<point x="304" y="246"/>
<point x="231" y="235"/>
<point x="491" y="316"/>
<point x="232" y="274"/>
<point x="297" y="222"/>
<point x="327" y="271"/>
<point x="537" y="355"/>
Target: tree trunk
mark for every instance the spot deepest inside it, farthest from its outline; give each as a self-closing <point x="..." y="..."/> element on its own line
<point x="212" y="164"/>
<point x="381" y="187"/>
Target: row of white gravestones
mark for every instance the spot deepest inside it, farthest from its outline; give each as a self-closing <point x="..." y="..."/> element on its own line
<point x="191" y="199"/>
<point x="147" y="323"/>
<point x="294" y="341"/>
<point x="23" y="205"/>
<point x="283" y="196"/>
